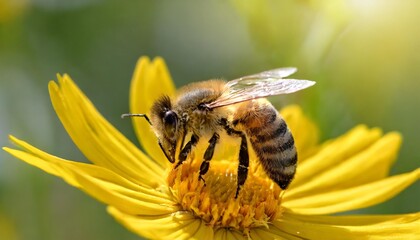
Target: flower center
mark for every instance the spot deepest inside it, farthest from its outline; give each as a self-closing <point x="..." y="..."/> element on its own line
<point x="214" y="201"/>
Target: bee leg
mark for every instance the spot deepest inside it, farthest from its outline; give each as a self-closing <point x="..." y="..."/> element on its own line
<point x="243" y="154"/>
<point x="184" y="134"/>
<point x="208" y="155"/>
<point x="243" y="164"/>
<point x="187" y="149"/>
<point x="166" y="154"/>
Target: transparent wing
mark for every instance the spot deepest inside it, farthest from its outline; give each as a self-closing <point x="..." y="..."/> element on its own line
<point x="274" y="73"/>
<point x="264" y="84"/>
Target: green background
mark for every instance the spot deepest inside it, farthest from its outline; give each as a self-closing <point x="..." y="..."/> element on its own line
<point x="364" y="55"/>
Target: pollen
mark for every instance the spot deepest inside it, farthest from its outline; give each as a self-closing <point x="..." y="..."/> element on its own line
<point x="213" y="200"/>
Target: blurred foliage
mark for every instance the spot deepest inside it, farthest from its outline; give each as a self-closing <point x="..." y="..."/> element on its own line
<point x="7" y="229"/>
<point x="364" y="56"/>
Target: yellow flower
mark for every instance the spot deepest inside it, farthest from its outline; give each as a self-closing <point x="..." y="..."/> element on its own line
<point x="145" y="194"/>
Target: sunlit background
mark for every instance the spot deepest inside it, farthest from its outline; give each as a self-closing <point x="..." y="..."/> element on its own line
<point x="364" y="55"/>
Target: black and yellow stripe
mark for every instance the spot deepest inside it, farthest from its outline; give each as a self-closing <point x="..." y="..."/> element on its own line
<point x="273" y="143"/>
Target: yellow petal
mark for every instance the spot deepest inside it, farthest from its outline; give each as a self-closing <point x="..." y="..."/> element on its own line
<point x="149" y="82"/>
<point x="229" y="234"/>
<point x="99" y="141"/>
<point x="305" y="132"/>
<point x="180" y="225"/>
<point x="357" y="220"/>
<point x="352" y="198"/>
<point x="351" y="227"/>
<point x="335" y="152"/>
<point x="270" y="233"/>
<point x="370" y="164"/>
<point x="101" y="183"/>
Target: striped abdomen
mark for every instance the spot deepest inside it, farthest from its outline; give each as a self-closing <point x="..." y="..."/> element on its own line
<point x="272" y="141"/>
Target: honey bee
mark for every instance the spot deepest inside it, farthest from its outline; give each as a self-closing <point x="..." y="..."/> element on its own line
<point x="203" y="109"/>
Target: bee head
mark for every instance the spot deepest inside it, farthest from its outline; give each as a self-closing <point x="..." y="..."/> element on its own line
<point x="166" y="124"/>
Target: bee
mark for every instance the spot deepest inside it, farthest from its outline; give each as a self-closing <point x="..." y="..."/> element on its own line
<point x="239" y="107"/>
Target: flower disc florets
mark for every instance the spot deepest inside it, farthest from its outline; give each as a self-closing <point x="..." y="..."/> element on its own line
<point x="257" y="204"/>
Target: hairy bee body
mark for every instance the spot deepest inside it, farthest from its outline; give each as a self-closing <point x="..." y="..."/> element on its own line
<point x="257" y="119"/>
<point x="270" y="138"/>
<point x="203" y="110"/>
<point x="201" y="121"/>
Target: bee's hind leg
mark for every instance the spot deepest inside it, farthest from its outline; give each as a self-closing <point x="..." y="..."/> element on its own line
<point x="208" y="155"/>
<point x="243" y="155"/>
<point x="243" y="164"/>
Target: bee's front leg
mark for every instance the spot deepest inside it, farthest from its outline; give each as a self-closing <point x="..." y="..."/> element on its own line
<point x="187" y="149"/>
<point x="208" y="155"/>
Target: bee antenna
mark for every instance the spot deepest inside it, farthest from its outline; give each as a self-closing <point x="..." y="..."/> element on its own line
<point x="125" y="115"/>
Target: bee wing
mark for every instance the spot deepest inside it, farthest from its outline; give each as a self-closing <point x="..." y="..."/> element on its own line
<point x="275" y="73"/>
<point x="264" y="84"/>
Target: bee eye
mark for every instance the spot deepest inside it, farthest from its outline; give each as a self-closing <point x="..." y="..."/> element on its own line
<point x="170" y="120"/>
